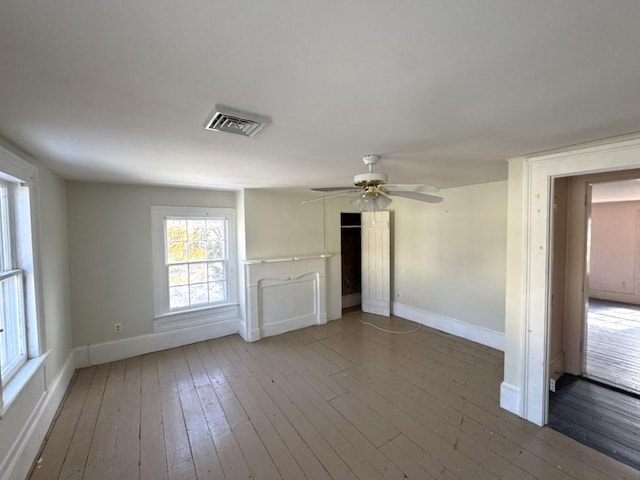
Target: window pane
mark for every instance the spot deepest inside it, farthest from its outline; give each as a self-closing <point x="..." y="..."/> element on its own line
<point x="196" y="251"/>
<point x="216" y="271"/>
<point x="198" y="293"/>
<point x="177" y="230"/>
<point x="197" y="230"/>
<point x="177" y="252"/>
<point x="197" y="273"/>
<point x="217" y="291"/>
<point x="178" y="297"/>
<point x="178" y="275"/>
<point x="215" y="251"/>
<point x="215" y="230"/>
<point x="13" y="346"/>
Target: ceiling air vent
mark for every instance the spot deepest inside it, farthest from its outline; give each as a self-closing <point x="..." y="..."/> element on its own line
<point x="230" y="120"/>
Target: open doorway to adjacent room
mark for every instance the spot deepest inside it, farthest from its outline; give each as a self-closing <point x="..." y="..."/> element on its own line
<point x="594" y="344"/>
<point x="351" y="254"/>
<point x="612" y="333"/>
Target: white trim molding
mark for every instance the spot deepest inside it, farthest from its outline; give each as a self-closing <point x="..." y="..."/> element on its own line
<point x="510" y="398"/>
<point x="529" y="241"/>
<point x="98" y="353"/>
<point x="196" y="318"/>
<point x="27" y="443"/>
<point x="459" y="328"/>
<point x="12" y="390"/>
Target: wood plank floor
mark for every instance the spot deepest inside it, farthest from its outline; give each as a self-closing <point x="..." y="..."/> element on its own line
<point x="598" y="416"/>
<point x="613" y="344"/>
<point x="340" y="401"/>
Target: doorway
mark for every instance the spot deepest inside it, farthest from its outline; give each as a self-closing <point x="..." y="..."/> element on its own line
<point x="570" y="265"/>
<point x="366" y="261"/>
<point x="612" y="326"/>
<point x="351" y="259"/>
<point x="524" y="389"/>
<point x="595" y="312"/>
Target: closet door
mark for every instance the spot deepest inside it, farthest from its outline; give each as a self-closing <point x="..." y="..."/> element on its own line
<point x="376" y="260"/>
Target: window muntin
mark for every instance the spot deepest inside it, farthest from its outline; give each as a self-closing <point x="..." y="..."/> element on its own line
<point x="196" y="261"/>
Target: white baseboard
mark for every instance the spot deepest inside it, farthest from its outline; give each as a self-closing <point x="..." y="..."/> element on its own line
<point x="475" y="333"/>
<point x="510" y="398"/>
<point x="26" y="446"/>
<point x="130" y="347"/>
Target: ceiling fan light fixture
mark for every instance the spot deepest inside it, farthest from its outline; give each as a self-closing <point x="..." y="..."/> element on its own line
<point x="374" y="191"/>
<point x="371" y="201"/>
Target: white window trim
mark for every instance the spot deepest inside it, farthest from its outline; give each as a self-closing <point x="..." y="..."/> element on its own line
<point x="165" y="319"/>
<point x="15" y="169"/>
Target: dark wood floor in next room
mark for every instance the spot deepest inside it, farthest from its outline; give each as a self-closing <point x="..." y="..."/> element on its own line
<point x="598" y="416"/>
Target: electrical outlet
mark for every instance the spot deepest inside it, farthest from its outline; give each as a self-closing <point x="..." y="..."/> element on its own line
<point x="117" y="328"/>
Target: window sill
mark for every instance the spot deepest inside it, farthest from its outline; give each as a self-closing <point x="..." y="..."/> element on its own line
<point x="192" y="318"/>
<point x="12" y="390"/>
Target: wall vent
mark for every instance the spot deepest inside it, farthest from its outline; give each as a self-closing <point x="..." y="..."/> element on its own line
<point x="231" y="120"/>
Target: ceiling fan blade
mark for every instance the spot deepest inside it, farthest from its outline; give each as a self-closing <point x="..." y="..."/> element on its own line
<point x="411" y="188"/>
<point x="337" y="194"/>
<point x="334" y="189"/>
<point x="422" y="197"/>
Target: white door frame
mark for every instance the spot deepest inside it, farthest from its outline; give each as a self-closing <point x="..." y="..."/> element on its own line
<point x="524" y="390"/>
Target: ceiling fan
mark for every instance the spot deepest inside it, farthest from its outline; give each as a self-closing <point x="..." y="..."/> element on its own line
<point x="374" y="192"/>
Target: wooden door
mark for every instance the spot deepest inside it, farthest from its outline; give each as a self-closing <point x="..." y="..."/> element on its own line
<point x="376" y="263"/>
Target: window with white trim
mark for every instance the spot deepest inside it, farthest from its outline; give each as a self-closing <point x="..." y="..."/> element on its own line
<point x="13" y="328"/>
<point x="194" y="259"/>
<point x="21" y="345"/>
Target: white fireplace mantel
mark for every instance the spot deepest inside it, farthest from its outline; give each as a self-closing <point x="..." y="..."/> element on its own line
<point x="283" y="294"/>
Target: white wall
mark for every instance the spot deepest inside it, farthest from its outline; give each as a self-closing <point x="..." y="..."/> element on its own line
<point x="54" y="262"/>
<point x="278" y="224"/>
<point x="25" y="423"/>
<point x="111" y="259"/>
<point x="615" y="251"/>
<point x="450" y="258"/>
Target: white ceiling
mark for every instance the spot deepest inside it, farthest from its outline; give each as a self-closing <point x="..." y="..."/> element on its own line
<point x="445" y="90"/>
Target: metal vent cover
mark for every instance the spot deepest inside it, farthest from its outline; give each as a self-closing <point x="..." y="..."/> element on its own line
<point x="231" y="120"/>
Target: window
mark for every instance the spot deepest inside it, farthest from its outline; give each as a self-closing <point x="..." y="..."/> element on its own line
<point x="13" y="334"/>
<point x="21" y="346"/>
<point x="194" y="259"/>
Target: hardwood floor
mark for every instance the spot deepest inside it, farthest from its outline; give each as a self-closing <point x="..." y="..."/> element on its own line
<point x="598" y="416"/>
<point x="341" y="401"/>
<point x="613" y="344"/>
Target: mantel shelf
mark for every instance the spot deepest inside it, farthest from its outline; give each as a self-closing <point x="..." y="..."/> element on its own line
<point x="254" y="261"/>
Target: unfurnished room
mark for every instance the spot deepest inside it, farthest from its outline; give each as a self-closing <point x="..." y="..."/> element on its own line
<point x="320" y="240"/>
